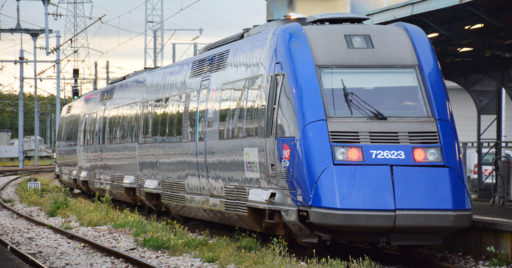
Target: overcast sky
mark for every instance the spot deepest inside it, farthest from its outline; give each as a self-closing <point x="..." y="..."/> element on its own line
<point x="119" y="37"/>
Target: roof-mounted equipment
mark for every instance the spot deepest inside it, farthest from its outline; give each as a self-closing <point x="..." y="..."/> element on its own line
<point x="336" y="18"/>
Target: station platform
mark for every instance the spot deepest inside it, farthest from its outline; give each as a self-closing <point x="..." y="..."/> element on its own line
<point x="7" y="259"/>
<point x="492" y="217"/>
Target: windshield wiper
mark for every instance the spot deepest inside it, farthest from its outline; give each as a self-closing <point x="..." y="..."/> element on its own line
<point x="347" y="97"/>
<point x="353" y="100"/>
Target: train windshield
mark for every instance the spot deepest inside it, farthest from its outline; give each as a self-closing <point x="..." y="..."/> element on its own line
<point x="372" y="92"/>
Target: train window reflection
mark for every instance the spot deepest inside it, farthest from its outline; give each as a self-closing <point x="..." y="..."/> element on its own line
<point x="239" y="108"/>
<point x="392" y="91"/>
<point x="286" y="120"/>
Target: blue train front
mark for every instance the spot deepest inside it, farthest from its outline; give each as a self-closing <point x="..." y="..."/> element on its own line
<point x="376" y="148"/>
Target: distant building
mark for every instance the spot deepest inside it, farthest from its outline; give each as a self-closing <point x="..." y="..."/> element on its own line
<point x="10" y="148"/>
<point x="5" y="136"/>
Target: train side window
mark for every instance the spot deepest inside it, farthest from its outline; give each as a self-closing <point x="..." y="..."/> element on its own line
<point x="236" y="110"/>
<point x="203" y="107"/>
<point x="275" y="84"/>
<point x="93" y="134"/>
<point x="171" y="119"/>
<point x="286" y="120"/>
<point x="104" y="129"/>
<point x="180" y="112"/>
<point x="164" y="121"/>
<point x="251" y="117"/>
<point x="159" y="120"/>
<point x="136" y="107"/>
<point x="224" y="104"/>
<point x="146" y="122"/>
<point x="192" y="116"/>
<point x="115" y="123"/>
<point x="82" y="130"/>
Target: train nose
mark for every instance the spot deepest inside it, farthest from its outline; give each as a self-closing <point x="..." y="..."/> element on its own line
<point x="389" y="198"/>
<point x="354" y="198"/>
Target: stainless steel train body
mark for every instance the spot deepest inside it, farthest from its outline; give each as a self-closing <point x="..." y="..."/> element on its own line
<point x="256" y="132"/>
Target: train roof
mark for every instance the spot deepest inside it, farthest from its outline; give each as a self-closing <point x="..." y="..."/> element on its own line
<point x="320" y="19"/>
<point x="327" y="18"/>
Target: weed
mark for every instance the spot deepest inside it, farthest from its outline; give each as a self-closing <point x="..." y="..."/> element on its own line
<point x="107" y="200"/>
<point x="57" y="205"/>
<point x="7" y="201"/>
<point x="241" y="250"/>
<point x="498" y="257"/>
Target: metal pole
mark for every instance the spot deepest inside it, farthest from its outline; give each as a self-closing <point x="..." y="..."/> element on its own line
<point x="479" y="148"/>
<point x="18" y="25"/>
<point x="498" y="120"/>
<point x="162" y="32"/>
<point x="95" y="81"/>
<point x="108" y="75"/>
<point x="154" y="48"/>
<point x="57" y="96"/>
<point x="46" y="30"/>
<point x="54" y="131"/>
<point x="195" y="48"/>
<point x="145" y="34"/>
<point x="36" y="105"/>
<point x="173" y="52"/>
<point x="20" y="112"/>
<point x="503" y="114"/>
<point x="47" y="124"/>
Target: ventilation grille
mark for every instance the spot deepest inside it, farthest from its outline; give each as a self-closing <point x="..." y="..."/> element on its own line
<point x="362" y="137"/>
<point x="173" y="186"/>
<point x="210" y="64"/>
<point x="173" y="198"/>
<point x="237" y="207"/>
<point x="236" y="193"/>
<point x="116" y="183"/>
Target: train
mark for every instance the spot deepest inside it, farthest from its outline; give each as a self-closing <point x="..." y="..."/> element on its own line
<point x="321" y="128"/>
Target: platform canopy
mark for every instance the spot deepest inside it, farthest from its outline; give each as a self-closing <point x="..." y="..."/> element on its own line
<point x="473" y="42"/>
<point x="470" y="36"/>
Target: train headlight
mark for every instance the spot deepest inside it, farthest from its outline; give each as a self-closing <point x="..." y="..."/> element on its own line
<point x="346" y="153"/>
<point x="427" y="154"/>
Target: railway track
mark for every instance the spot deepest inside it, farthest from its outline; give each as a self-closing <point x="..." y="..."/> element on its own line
<point x="24" y="257"/>
<point x="385" y="256"/>
<point x="97" y="246"/>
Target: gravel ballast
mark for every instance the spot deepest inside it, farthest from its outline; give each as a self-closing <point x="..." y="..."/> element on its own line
<point x="55" y="250"/>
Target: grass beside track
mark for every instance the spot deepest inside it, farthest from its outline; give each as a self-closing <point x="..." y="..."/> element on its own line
<point x="15" y="163"/>
<point x="241" y="250"/>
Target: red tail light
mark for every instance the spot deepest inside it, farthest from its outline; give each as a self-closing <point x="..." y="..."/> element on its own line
<point x="419" y="155"/>
<point x="354" y="154"/>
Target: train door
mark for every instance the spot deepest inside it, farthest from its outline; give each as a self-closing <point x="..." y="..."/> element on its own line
<point x="276" y="82"/>
<point x="204" y="90"/>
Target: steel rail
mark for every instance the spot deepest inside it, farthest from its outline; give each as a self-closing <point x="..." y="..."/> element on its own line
<point x="26" y="258"/>
<point x="98" y="246"/>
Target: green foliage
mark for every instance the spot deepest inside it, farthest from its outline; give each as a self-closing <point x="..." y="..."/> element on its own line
<point x="498" y="257"/>
<point x="56" y="205"/>
<point x="9" y="112"/>
<point x="7" y="201"/>
<point x="14" y="163"/>
<point x="241" y="250"/>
